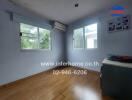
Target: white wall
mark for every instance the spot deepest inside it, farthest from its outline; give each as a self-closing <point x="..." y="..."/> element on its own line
<point x="16" y="64"/>
<point x="118" y="43"/>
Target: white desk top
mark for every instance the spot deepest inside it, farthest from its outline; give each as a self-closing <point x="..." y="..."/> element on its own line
<point x="116" y="63"/>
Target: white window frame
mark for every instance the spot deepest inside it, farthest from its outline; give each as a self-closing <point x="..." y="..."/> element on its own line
<point x="37" y="37"/>
<point x="84" y="41"/>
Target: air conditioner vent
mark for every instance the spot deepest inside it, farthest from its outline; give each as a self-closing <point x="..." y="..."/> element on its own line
<point x="59" y="26"/>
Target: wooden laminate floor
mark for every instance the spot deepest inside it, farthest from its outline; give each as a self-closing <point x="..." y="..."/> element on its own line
<point x="46" y="86"/>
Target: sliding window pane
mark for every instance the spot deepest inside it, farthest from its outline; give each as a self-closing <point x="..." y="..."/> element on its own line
<point x="91" y="36"/>
<point x="78" y="38"/>
<point x="44" y="38"/>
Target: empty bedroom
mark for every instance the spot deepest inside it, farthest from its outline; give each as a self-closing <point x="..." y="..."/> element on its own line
<point x="65" y="50"/>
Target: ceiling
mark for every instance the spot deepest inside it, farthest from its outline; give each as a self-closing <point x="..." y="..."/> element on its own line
<point x="64" y="11"/>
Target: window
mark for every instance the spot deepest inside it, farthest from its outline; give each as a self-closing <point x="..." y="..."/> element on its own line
<point x="78" y="38"/>
<point x="91" y="36"/>
<point x="33" y="37"/>
<point x="44" y="38"/>
<point x="85" y="37"/>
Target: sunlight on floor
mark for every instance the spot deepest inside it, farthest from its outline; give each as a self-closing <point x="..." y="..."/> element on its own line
<point x="85" y="93"/>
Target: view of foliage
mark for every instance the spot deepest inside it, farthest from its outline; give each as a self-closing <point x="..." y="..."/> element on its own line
<point x="28" y="43"/>
<point x="44" y="38"/>
<point x="34" y="37"/>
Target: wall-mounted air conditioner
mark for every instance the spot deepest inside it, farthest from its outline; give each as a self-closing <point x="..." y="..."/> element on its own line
<point x="59" y="26"/>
